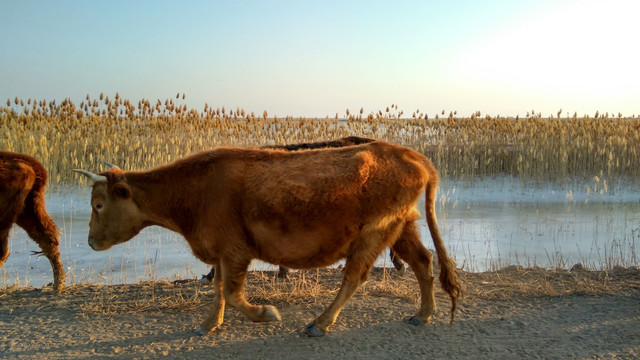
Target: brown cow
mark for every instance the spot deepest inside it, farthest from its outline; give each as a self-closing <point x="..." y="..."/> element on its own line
<point x="22" y="185"/>
<point x="346" y="141"/>
<point x="304" y="209"/>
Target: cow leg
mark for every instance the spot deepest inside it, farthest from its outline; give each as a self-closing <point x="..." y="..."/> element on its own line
<point x="283" y="272"/>
<point x="397" y="262"/>
<point x="216" y="317"/>
<point x="40" y="227"/>
<point x="420" y="259"/>
<point x="207" y="279"/>
<point x="353" y="277"/>
<point x="4" y="244"/>
<point x="234" y="274"/>
<point x="10" y="206"/>
<point x="356" y="271"/>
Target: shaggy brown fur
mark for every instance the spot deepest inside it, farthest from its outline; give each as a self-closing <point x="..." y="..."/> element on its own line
<point x="22" y="185"/>
<point x="299" y="209"/>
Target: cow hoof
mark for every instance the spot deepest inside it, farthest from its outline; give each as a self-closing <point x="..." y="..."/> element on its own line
<point x="270" y="313"/>
<point x="200" y="332"/>
<point x="313" y="331"/>
<point x="416" y="321"/>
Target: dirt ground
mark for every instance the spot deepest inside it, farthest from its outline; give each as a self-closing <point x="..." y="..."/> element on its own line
<point x="511" y="313"/>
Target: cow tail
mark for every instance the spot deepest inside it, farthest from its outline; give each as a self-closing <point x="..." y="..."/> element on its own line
<point x="449" y="277"/>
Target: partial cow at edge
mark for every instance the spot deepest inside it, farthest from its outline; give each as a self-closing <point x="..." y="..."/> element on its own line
<point x="22" y="186"/>
<point x="299" y="209"/>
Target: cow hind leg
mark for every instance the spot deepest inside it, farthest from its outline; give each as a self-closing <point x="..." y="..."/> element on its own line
<point x="234" y="274"/>
<point x="420" y="259"/>
<point x="41" y="228"/>
<point x="216" y="317"/>
<point x="356" y="271"/>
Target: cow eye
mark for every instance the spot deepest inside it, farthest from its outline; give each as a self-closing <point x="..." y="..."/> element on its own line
<point x="97" y="207"/>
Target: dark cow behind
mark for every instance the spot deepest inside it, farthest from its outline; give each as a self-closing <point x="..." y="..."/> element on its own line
<point x="298" y="209"/>
<point x="22" y="189"/>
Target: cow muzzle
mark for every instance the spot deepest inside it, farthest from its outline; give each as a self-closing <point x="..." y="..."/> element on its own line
<point x="94" y="245"/>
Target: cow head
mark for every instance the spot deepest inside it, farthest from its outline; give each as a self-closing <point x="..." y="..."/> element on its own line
<point x="115" y="217"/>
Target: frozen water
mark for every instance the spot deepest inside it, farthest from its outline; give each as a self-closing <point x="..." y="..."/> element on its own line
<point x="485" y="224"/>
<point x="495" y="222"/>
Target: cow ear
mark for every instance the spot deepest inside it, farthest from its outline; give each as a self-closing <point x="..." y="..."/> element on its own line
<point x="122" y="191"/>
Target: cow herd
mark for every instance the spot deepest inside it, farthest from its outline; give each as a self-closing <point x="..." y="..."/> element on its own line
<point x="298" y="206"/>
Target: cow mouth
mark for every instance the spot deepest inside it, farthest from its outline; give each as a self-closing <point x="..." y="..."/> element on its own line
<point x="94" y="246"/>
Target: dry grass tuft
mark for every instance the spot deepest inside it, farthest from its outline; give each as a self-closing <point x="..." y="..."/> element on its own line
<point x="300" y="287"/>
<point x="162" y="296"/>
<point x="321" y="286"/>
<point x="387" y="282"/>
<point x="515" y="281"/>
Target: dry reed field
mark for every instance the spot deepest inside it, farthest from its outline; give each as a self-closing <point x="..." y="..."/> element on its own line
<point x="145" y="134"/>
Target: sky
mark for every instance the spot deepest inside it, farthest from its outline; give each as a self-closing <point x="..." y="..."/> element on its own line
<point x="319" y="58"/>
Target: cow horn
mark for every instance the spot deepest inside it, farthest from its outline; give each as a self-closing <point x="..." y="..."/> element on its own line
<point x="95" y="178"/>
<point x="110" y="165"/>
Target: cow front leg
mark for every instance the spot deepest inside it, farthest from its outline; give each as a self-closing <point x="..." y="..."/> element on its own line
<point x="4" y="245"/>
<point x="356" y="271"/>
<point x="350" y="282"/>
<point x="234" y="274"/>
<point x="397" y="263"/>
<point x="207" y="279"/>
<point x="9" y="211"/>
<point x="216" y="317"/>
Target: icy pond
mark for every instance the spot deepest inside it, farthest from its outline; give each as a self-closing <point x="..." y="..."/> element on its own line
<point x="486" y="224"/>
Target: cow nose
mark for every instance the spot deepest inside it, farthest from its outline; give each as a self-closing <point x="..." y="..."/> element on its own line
<point x="92" y="243"/>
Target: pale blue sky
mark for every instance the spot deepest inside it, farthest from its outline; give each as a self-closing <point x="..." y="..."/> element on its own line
<point x="318" y="58"/>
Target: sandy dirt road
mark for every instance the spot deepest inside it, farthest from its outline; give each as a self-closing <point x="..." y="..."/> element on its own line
<point x="512" y="313"/>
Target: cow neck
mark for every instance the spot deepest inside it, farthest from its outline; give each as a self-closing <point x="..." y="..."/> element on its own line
<point x="161" y="200"/>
